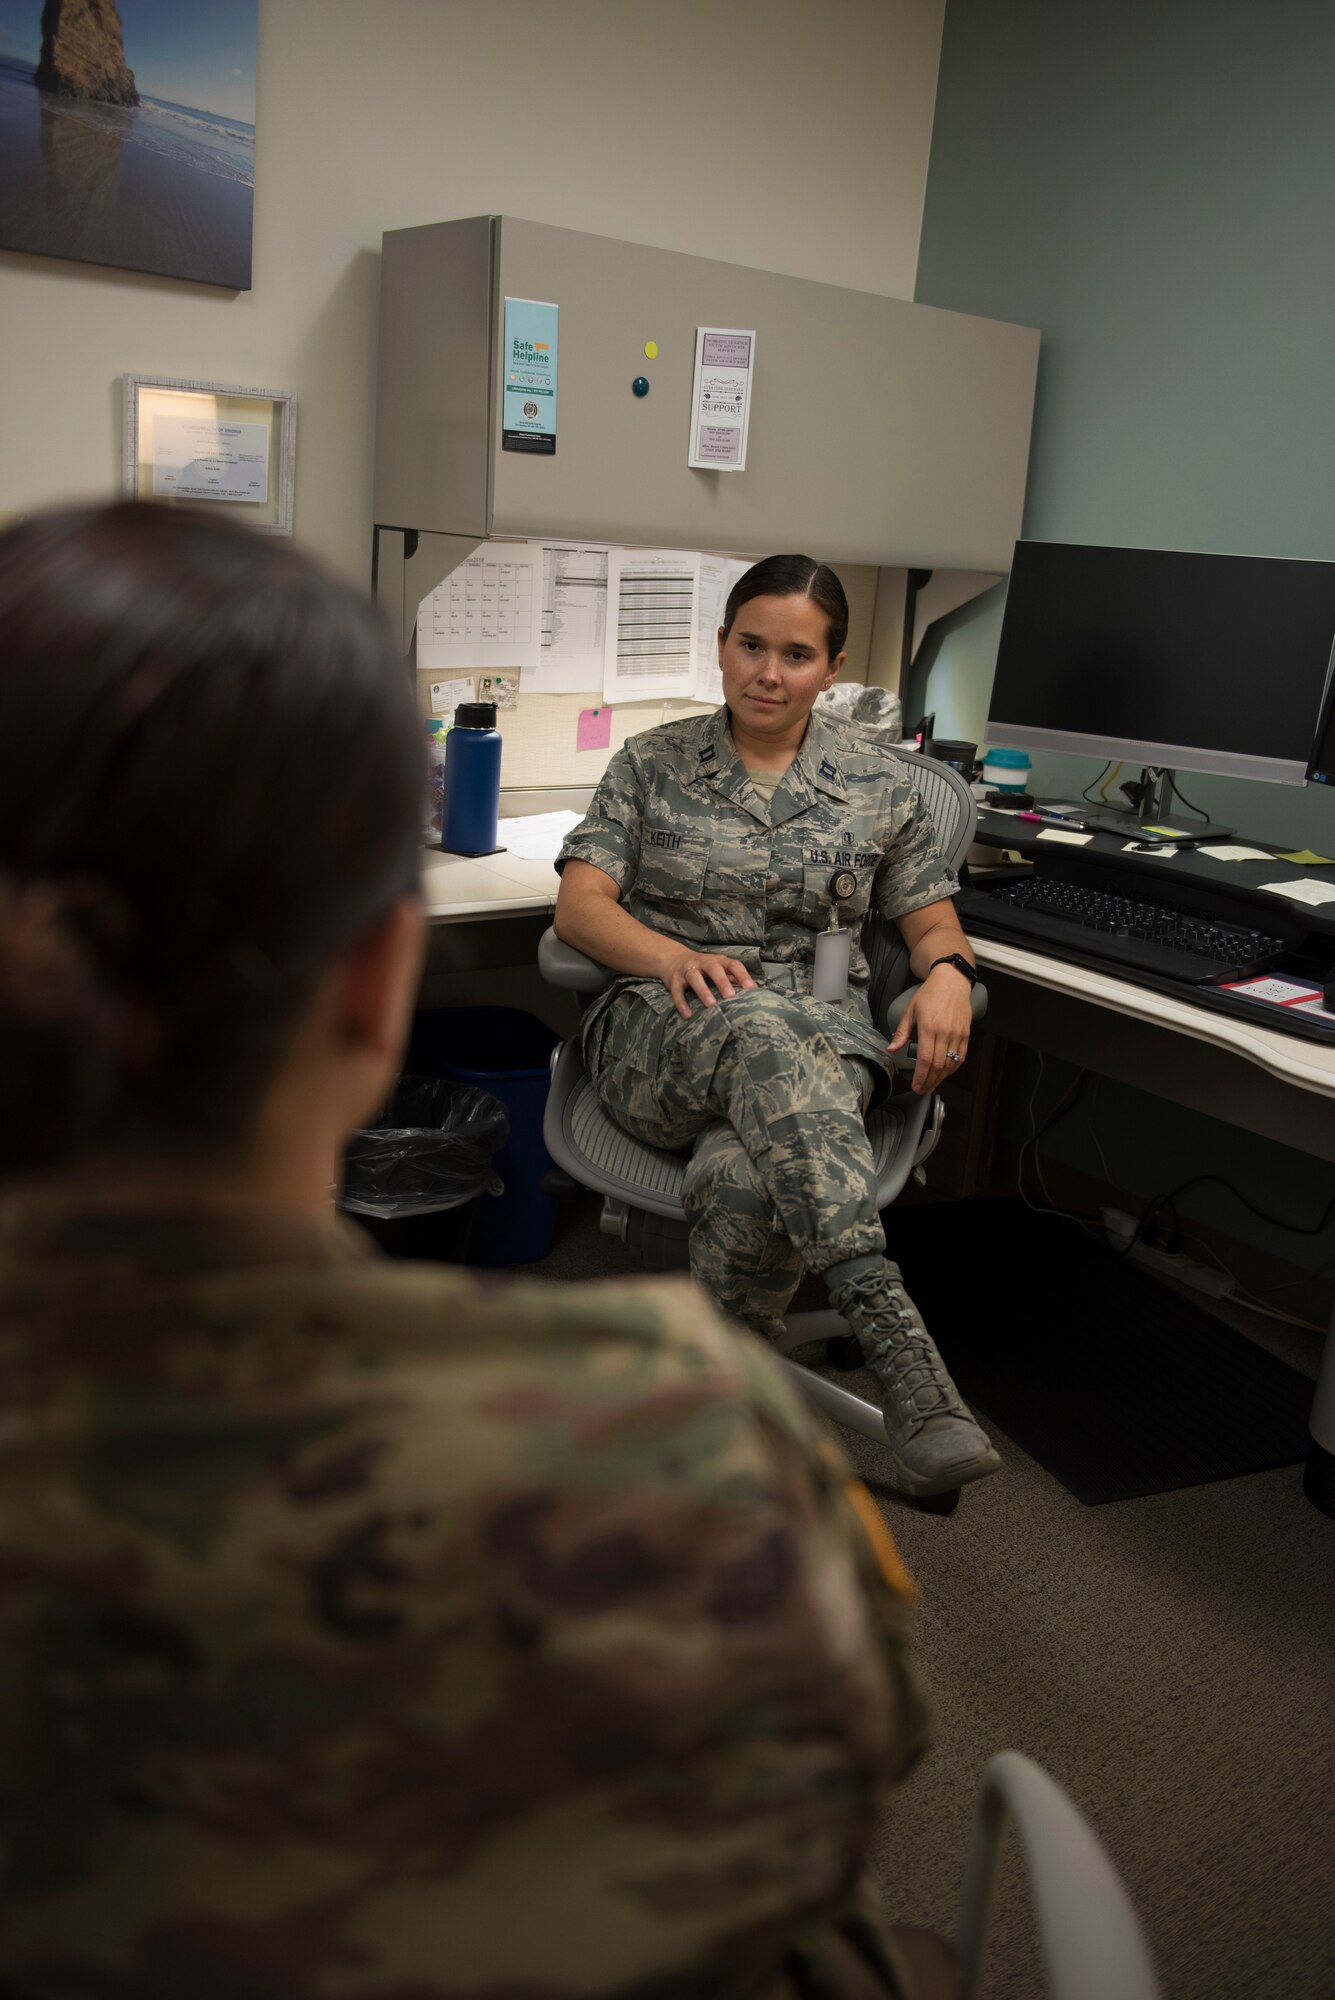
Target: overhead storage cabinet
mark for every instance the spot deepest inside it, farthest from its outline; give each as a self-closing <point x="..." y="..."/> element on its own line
<point x="881" y="432"/>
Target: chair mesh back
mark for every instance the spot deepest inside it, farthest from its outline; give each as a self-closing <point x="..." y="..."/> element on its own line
<point x="949" y="803"/>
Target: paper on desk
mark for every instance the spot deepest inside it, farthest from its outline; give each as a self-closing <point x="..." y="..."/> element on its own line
<point x="650" y="651"/>
<point x="1227" y="853"/>
<point x="1304" y="858"/>
<point x="536" y="836"/>
<point x="1280" y="992"/>
<point x="1301" y="892"/>
<point x="574" y="619"/>
<point x="1148" y="847"/>
<point x="1071" y="839"/>
<point x="486" y="613"/>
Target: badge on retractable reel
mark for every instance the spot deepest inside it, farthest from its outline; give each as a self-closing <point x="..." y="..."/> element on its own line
<point x="835" y="944"/>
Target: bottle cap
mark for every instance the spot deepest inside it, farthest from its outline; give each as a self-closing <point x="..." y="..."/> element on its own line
<point x="475" y="715"/>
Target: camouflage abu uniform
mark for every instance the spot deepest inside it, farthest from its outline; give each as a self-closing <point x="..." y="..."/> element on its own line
<point x="769" y="1088"/>
<point x="370" y="1633"/>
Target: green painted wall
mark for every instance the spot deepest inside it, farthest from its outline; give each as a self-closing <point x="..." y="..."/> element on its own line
<point x="1153" y="186"/>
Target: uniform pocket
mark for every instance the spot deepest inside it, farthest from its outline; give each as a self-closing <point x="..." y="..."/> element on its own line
<point x="672" y="866"/>
<point x="632" y="1028"/>
<point x="735" y="893"/>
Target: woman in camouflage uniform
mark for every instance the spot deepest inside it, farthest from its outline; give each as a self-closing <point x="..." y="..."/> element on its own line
<point x="365" y="1629"/>
<point x="704" y="871"/>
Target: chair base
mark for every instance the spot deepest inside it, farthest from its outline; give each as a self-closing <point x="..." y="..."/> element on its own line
<point x="853" y="1411"/>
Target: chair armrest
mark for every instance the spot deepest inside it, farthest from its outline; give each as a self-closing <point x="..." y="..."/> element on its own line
<point x="562" y="965"/>
<point x="894" y="1013"/>
<point x="1092" y="1943"/>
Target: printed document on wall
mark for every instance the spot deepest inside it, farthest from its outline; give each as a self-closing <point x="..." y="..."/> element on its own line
<point x="487" y="612"/>
<point x="717" y="577"/>
<point x="651" y="636"/>
<point x="721" y="398"/>
<point x="574" y="619"/>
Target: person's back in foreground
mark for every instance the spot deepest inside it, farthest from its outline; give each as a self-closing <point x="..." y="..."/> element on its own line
<point x="367" y="1630"/>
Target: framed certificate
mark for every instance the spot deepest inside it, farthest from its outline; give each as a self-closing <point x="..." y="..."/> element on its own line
<point x="208" y="445"/>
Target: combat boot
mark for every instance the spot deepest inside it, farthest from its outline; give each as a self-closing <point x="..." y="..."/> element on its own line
<point x="934" y="1442"/>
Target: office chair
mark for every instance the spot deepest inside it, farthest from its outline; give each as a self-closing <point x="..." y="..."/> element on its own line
<point x="641" y="1184"/>
<point x="1090" y="1938"/>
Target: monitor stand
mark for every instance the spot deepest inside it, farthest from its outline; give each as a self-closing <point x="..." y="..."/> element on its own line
<point x="1160" y="810"/>
<point x="1137" y="826"/>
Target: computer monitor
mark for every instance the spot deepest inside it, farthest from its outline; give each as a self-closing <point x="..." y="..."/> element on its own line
<point x="1165" y="657"/>
<point x="1321" y="764"/>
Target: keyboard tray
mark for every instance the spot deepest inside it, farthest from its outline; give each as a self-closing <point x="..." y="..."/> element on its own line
<point x="1303" y="956"/>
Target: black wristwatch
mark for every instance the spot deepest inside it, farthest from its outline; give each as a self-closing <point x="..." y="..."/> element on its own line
<point x="960" y="963"/>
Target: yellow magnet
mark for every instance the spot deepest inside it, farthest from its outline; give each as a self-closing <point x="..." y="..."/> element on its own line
<point x="651" y="349"/>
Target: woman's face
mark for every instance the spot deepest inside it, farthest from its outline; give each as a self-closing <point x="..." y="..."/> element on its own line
<point x="775" y="661"/>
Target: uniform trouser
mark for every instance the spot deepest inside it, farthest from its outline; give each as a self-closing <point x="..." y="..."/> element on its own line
<point x="781" y="1177"/>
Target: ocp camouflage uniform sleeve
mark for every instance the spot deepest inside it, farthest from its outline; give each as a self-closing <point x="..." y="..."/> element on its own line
<point x="912" y="871"/>
<point x="609" y="834"/>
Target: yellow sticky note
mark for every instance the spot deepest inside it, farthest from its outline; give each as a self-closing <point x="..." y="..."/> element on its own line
<point x="1303" y="857"/>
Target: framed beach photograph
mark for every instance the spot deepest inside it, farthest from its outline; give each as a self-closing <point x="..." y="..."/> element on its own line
<point x="127" y="134"/>
<point x="212" y="446"/>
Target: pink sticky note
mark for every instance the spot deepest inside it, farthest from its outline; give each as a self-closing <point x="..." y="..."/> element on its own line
<point x="595" y="729"/>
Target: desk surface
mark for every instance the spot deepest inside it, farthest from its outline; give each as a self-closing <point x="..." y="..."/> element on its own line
<point x="1308" y="1065"/>
<point x="458" y="889"/>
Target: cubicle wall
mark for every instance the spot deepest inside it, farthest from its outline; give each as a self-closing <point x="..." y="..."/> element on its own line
<point x="885" y="432"/>
<point x="541" y="733"/>
<point x="884" y="436"/>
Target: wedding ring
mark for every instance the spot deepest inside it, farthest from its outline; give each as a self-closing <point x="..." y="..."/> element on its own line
<point x="952" y="1055"/>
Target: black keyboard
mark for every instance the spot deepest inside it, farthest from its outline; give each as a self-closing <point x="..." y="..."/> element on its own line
<point x="1147" y="934"/>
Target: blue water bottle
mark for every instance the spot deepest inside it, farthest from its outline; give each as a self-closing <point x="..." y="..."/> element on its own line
<point x="472" y="780"/>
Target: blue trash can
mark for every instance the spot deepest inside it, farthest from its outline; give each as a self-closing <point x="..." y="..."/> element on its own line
<point x="508" y="1054"/>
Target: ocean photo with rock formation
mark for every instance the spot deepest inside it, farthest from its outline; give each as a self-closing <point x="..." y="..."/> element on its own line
<point x="127" y="134"/>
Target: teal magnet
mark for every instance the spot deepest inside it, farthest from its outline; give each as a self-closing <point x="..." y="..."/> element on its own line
<point x="641" y="385"/>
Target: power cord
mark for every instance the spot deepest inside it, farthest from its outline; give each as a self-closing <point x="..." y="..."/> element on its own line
<point x="1066" y="1103"/>
<point x="1276" y="1222"/>
<point x="1106" y="775"/>
<point x="1253" y="1301"/>
<point x="1244" y="1294"/>
<point x="1178" y="793"/>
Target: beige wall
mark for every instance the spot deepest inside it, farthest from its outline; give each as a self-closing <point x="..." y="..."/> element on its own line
<point x="769" y="132"/>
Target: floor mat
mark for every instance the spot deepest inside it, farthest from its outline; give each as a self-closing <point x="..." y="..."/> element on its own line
<point x="1115" y="1384"/>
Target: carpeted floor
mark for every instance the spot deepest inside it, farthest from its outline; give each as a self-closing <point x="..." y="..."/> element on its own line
<point x="1170" y="1660"/>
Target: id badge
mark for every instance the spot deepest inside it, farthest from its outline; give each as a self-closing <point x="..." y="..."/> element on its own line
<point x="830" y="978"/>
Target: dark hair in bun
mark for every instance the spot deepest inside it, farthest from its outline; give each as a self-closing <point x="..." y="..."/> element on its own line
<point x="210" y="781"/>
<point x="794" y="576"/>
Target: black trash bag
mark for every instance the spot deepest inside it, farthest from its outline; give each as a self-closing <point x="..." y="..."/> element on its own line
<point x="429" y="1149"/>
